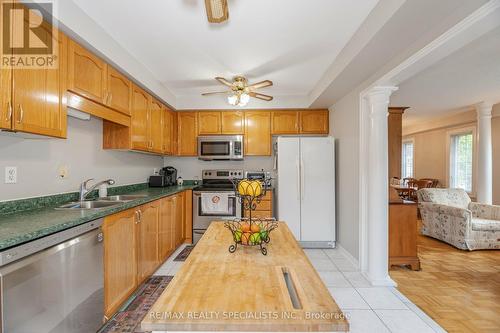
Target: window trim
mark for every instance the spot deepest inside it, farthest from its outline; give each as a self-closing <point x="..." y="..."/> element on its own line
<point x="449" y="135"/>
<point x="408" y="140"/>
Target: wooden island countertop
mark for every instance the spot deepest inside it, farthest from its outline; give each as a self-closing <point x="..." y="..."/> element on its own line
<point x="246" y="291"/>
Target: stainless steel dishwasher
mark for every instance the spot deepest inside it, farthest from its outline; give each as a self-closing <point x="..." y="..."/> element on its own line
<point x="54" y="284"/>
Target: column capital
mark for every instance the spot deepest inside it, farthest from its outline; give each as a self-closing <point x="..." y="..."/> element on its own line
<point x="484" y="109"/>
<point x="380" y="94"/>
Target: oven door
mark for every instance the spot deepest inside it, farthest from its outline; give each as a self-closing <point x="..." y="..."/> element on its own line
<point x="201" y="219"/>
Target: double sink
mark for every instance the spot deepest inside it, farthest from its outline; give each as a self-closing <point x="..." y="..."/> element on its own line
<point x="100" y="203"/>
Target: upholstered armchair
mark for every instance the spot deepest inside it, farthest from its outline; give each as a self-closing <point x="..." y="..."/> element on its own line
<point x="450" y="216"/>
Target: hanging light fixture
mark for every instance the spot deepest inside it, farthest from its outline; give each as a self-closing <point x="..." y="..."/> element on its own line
<point x="233" y="99"/>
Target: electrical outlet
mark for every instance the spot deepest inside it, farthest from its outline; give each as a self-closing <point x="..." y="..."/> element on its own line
<point x="10" y="175"/>
<point x="63" y="172"/>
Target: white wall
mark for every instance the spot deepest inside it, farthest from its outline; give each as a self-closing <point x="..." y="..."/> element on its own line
<point x="344" y="126"/>
<point x="38" y="161"/>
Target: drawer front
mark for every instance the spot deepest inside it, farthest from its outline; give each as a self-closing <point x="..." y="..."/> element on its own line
<point x="260" y="214"/>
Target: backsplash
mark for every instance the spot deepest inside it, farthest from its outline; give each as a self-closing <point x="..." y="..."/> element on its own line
<point x="38" y="160"/>
<point x="191" y="167"/>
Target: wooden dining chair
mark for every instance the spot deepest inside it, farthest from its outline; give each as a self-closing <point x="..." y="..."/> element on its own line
<point x="435" y="182"/>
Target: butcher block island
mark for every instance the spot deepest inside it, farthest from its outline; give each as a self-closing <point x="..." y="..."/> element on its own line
<point x="246" y="291"/>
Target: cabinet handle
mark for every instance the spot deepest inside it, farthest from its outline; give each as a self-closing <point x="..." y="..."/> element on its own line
<point x="136" y="217"/>
<point x="9" y="111"/>
<point x="21" y="114"/>
<point x="110" y="98"/>
<point x="140" y="215"/>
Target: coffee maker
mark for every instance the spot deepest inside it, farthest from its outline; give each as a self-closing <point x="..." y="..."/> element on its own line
<point x="166" y="177"/>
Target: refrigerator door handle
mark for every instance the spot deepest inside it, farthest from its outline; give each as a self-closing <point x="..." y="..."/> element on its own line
<point x="297" y="164"/>
<point x="302" y="171"/>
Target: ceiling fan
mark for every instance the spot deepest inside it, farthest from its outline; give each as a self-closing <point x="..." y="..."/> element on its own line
<point x="217" y="11"/>
<point x="240" y="91"/>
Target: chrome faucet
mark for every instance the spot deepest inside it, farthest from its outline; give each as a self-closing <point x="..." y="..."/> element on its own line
<point x="84" y="191"/>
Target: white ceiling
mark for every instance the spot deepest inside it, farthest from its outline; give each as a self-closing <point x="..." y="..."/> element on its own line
<point x="291" y="42"/>
<point x="455" y="83"/>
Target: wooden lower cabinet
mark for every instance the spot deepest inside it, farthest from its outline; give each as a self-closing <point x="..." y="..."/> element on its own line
<point x="178" y="215"/>
<point x="403" y="234"/>
<point x="166" y="229"/>
<point x="264" y="208"/>
<point x="137" y="241"/>
<point x="120" y="259"/>
<point x="147" y="240"/>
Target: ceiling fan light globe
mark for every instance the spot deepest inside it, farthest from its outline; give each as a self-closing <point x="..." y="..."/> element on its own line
<point x="232" y="99"/>
<point x="244" y="99"/>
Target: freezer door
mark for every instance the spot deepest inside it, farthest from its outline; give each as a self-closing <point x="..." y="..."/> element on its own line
<point x="317" y="166"/>
<point x="289" y="183"/>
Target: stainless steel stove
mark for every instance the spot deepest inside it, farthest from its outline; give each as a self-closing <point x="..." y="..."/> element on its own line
<point x="215" y="181"/>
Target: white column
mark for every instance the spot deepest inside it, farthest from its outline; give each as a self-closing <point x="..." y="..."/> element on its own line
<point x="378" y="206"/>
<point x="484" y="173"/>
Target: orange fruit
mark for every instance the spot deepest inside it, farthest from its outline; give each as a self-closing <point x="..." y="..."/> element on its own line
<point x="245" y="238"/>
<point x="245" y="227"/>
<point x="255" y="228"/>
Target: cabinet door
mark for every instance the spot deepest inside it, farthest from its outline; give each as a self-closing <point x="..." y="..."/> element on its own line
<point x="156" y="126"/>
<point x="120" y="264"/>
<point x="179" y="219"/>
<point x="5" y="92"/>
<point x="140" y="120"/>
<point x="187" y="127"/>
<point x="314" y="122"/>
<point x="86" y="74"/>
<point x="38" y="95"/>
<point x="175" y="135"/>
<point x="168" y="122"/>
<point x="166" y="229"/>
<point x="232" y="122"/>
<point x="285" y="122"/>
<point x="209" y="122"/>
<point x="258" y="133"/>
<point x="147" y="232"/>
<point x="120" y="91"/>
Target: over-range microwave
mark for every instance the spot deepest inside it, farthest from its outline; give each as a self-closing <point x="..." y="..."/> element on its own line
<point x="220" y="147"/>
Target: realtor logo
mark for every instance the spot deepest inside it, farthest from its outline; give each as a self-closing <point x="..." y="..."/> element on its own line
<point x="27" y="36"/>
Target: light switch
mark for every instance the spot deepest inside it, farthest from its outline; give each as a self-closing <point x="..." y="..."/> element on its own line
<point x="10" y="175"/>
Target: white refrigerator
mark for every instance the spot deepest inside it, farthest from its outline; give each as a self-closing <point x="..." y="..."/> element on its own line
<point x="306" y="189"/>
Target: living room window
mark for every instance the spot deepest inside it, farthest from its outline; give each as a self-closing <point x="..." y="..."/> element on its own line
<point x="461" y="151"/>
<point x="407" y="162"/>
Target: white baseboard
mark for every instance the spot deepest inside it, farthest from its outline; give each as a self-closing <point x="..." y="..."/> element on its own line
<point x="348" y="255"/>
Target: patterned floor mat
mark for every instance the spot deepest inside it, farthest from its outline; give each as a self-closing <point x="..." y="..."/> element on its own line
<point x="128" y="318"/>
<point x="184" y="253"/>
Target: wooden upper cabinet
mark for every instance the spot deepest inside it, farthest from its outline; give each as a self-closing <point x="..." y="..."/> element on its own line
<point x="147" y="254"/>
<point x="168" y="132"/>
<point x="38" y="104"/>
<point x="119" y="89"/>
<point x="156" y="119"/>
<point x="285" y="122"/>
<point x="314" y="122"/>
<point x="87" y="74"/>
<point x="257" y="133"/>
<point x="187" y="133"/>
<point x="6" y="109"/>
<point x="209" y="122"/>
<point x="120" y="260"/>
<point x="139" y="129"/>
<point x="175" y="131"/>
<point x="232" y="122"/>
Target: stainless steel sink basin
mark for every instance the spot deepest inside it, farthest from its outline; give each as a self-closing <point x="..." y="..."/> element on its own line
<point x="123" y="197"/>
<point x="98" y="204"/>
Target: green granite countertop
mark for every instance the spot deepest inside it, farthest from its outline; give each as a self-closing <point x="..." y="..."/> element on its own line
<point x="21" y="225"/>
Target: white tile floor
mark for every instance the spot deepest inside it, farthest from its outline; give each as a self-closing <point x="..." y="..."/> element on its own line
<point x="369" y="309"/>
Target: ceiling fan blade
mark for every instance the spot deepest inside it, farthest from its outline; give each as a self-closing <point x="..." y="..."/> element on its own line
<point x="217" y="11"/>
<point x="261" y="96"/>
<point x="224" y="81"/>
<point x="262" y="84"/>
<point x="214" y="93"/>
